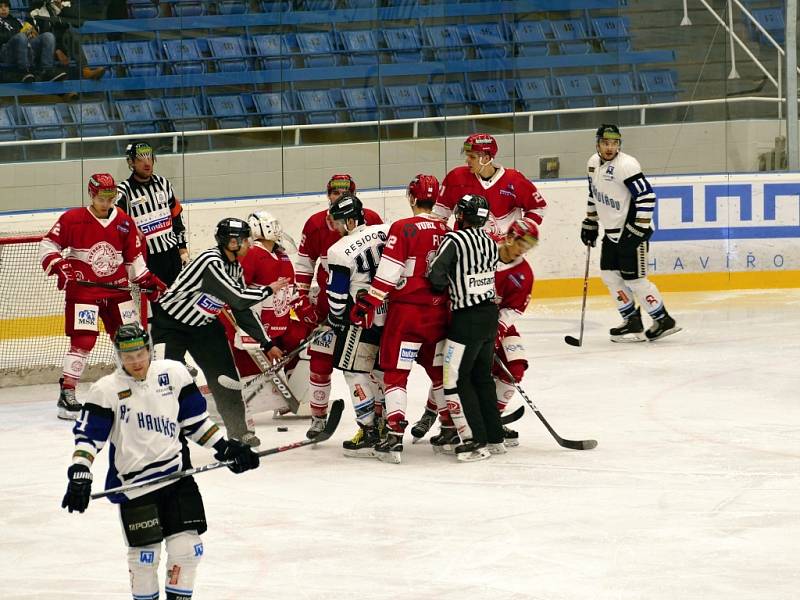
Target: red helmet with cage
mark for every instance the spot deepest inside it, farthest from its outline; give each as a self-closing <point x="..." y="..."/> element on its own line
<point x="102" y="183"/>
<point x="525" y="229"/>
<point x="424" y="187"/>
<point x="342" y="182"/>
<point x="481" y="142"/>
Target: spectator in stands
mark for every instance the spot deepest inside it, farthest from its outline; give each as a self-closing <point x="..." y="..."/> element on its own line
<point x="28" y="53"/>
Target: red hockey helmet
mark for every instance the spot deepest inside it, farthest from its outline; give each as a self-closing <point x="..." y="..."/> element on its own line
<point x="481" y="142"/>
<point x="102" y="184"/>
<point x="342" y="182"/>
<point x="524" y="229"/>
<point x="424" y="187"/>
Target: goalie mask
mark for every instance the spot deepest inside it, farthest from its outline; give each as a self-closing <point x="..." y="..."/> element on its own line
<point x="264" y="226"/>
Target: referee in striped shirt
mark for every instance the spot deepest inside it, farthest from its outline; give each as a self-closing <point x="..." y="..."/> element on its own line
<point x="465" y="264"/>
<point x="185" y="318"/>
<point x="150" y="201"/>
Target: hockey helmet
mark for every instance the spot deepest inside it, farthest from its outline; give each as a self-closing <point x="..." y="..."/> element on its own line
<point x="102" y="184"/>
<point x="608" y="131"/>
<point x="139" y="149"/>
<point x="343" y="183"/>
<point x="264" y="226"/>
<point x="347" y="206"/>
<point x="231" y="228"/>
<point x="423" y="187"/>
<point x="472" y="209"/>
<point x="524" y="229"/>
<point x="131" y="337"/>
<point x="480" y="142"/>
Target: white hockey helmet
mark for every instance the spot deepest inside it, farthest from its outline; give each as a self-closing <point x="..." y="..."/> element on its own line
<point x="264" y="226"/>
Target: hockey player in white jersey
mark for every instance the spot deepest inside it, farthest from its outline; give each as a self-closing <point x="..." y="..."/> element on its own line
<point x="352" y="263"/>
<point x="620" y="197"/>
<point x="145" y="410"/>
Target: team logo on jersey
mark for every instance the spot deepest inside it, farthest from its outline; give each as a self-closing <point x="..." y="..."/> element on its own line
<point x="517" y="279"/>
<point x="198" y="549"/>
<point x="163" y="379"/>
<point x="147" y="557"/>
<point x="209" y="304"/>
<point x="124" y="227"/>
<point x="124" y="394"/>
<point x="409" y="230"/>
<point x="87" y="318"/>
<point x="280" y="302"/>
<point x="156" y="225"/>
<point x="509" y="191"/>
<point x="103" y="259"/>
<point x="608" y="175"/>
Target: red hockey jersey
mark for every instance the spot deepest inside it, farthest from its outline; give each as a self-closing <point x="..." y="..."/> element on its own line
<point x="513" y="283"/>
<point x="263" y="267"/>
<point x="99" y="250"/>
<point x="403" y="269"/>
<point x="510" y="195"/>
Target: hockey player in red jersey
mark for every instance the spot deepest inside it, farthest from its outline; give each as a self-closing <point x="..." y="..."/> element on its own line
<point x="513" y="283"/>
<point x="97" y="244"/>
<point x="416" y="322"/>
<point x="312" y="265"/>
<point x="510" y="194"/>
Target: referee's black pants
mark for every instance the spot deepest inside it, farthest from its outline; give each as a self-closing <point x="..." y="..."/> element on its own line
<point x="476" y="328"/>
<point x="208" y="346"/>
<point x="165" y="265"/>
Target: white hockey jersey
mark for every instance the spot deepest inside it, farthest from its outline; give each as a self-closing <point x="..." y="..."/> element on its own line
<point x="619" y="194"/>
<point x="143" y="421"/>
<point x="352" y="263"/>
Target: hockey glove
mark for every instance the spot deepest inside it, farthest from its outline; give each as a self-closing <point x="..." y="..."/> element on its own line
<point x="589" y="230"/>
<point x="149" y="281"/>
<point x="306" y="311"/>
<point x="338" y="324"/>
<point x="502" y="332"/>
<point x="363" y="312"/>
<point x="633" y="235"/>
<point x="79" y="488"/>
<point x="240" y="453"/>
<point x="63" y="271"/>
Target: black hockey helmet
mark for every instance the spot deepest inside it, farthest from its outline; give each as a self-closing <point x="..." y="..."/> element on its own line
<point x="231" y="228"/>
<point x="131" y="337"/>
<point x="608" y="131"/>
<point x="139" y="148"/>
<point x="347" y="206"/>
<point x="472" y="209"/>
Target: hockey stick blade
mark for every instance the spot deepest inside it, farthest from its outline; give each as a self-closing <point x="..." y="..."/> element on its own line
<point x="513" y="416"/>
<point x="334" y="416"/>
<point x="572" y="341"/>
<point x="230" y="383"/>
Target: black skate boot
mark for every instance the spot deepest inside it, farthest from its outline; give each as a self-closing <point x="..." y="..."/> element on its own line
<point x="69" y="408"/>
<point x="510" y="437"/>
<point x="421" y="428"/>
<point x="470" y="451"/>
<point x="446" y="440"/>
<point x="662" y="328"/>
<point x="630" y="331"/>
<point x="363" y="443"/>
<point x="317" y="426"/>
<point x="390" y="449"/>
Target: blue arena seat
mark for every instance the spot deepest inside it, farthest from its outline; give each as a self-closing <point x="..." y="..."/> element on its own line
<point x="403" y="44"/>
<point x="773" y="21"/>
<point x="277" y="6"/>
<point x="571" y="36"/>
<point x="317" y="49"/>
<point x="530" y="38"/>
<point x="361" y="4"/>
<point x="617" y="88"/>
<point x="183" y="113"/>
<point x="229" y="111"/>
<point x="488" y="40"/>
<point x="576" y="91"/>
<point x="142" y="9"/>
<point x="534" y="93"/>
<point x="140" y="59"/>
<point x="137" y="116"/>
<point x="232" y="7"/>
<point x="8" y="128"/>
<point x="319" y="4"/>
<point x="272" y="51"/>
<point x="184" y="57"/>
<point x="44" y="121"/>
<point x="186" y="8"/>
<point x="449" y="99"/>
<point x="229" y="53"/>
<point x="275" y="108"/>
<point x="658" y="85"/>
<point x="361" y="46"/>
<point x="99" y="55"/>
<point x="405" y="102"/>
<point x="92" y="119"/>
<point x="361" y="104"/>
<point x="445" y="40"/>
<point x="613" y="33"/>
<point x="491" y="96"/>
<point x="318" y="105"/>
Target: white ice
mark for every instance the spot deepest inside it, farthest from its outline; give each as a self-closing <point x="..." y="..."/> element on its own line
<point x="692" y="493"/>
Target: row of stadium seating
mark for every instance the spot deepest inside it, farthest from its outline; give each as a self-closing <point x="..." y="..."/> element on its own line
<point x="225" y="111"/>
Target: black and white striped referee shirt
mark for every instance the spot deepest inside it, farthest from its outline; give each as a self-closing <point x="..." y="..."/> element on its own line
<point x="156" y="211"/>
<point x="205" y="286"/>
<point x="465" y="262"/>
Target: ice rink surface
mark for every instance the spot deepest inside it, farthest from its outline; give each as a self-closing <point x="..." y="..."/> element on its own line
<point x="692" y="493"/>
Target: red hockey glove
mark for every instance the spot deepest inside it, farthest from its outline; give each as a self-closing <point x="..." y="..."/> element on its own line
<point x="63" y="271"/>
<point x="305" y="310"/>
<point x="363" y="312"/>
<point x="152" y="283"/>
<point x="502" y="332"/>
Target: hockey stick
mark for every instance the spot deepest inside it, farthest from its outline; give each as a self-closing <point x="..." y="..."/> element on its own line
<point x="111" y="286"/>
<point x="334" y="415"/>
<point x="505" y="419"/>
<point x="572" y="444"/>
<point x="579" y="341"/>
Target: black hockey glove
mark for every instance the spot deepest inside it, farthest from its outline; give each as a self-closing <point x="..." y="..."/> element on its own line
<point x="79" y="488"/>
<point x="338" y="324"/>
<point x="240" y="453"/>
<point x="633" y="235"/>
<point x="589" y="230"/>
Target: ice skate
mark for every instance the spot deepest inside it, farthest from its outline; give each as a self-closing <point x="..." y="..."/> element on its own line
<point x="470" y="451"/>
<point x="496" y="448"/>
<point x="631" y="330"/>
<point x="69" y="408"/>
<point x="317" y="426"/>
<point x="446" y="440"/>
<point x="363" y="443"/>
<point x="662" y="328"/>
<point x="510" y="437"/>
<point x="421" y="428"/>
<point x="390" y="450"/>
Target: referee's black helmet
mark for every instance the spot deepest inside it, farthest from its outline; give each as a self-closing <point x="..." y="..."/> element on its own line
<point x="472" y="210"/>
<point x="231" y="228"/>
<point x="347" y="206"/>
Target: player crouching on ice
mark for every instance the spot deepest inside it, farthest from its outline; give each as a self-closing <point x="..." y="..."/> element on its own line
<point x="147" y="408"/>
